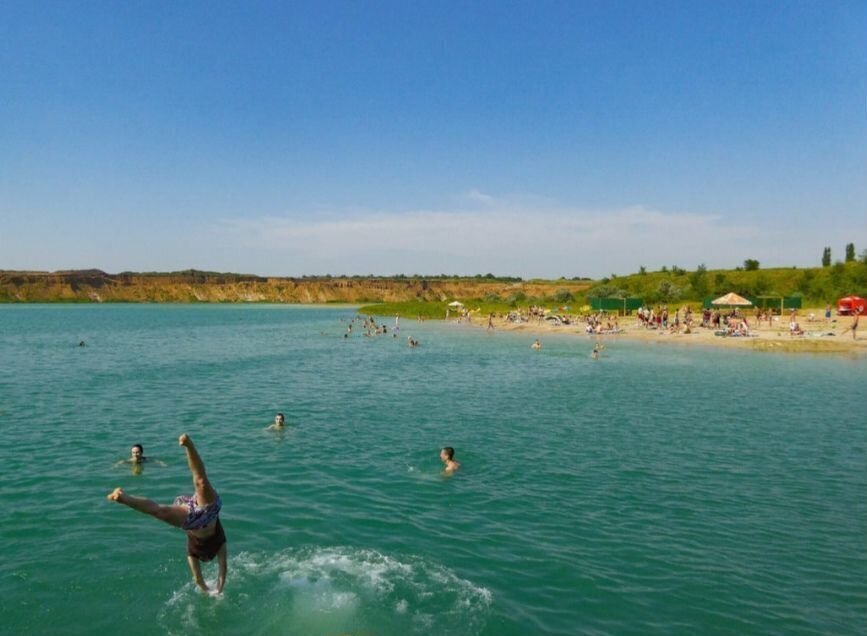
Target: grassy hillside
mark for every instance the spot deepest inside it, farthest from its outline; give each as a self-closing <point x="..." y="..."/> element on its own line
<point x="428" y="296"/>
<point x="816" y="285"/>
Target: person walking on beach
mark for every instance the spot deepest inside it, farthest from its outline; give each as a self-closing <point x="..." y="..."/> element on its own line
<point x="854" y="326"/>
<point x="197" y="515"/>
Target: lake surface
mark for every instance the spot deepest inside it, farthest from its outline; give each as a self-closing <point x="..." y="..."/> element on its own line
<point x="659" y="490"/>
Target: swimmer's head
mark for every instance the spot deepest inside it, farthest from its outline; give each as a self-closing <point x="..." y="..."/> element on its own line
<point x="279" y="419"/>
<point x="136" y="452"/>
<point x="447" y="454"/>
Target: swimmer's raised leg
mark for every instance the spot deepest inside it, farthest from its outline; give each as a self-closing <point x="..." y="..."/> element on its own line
<point x="172" y="515"/>
<point x="205" y="493"/>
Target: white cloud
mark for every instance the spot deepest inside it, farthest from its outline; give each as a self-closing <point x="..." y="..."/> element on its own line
<point x="505" y="237"/>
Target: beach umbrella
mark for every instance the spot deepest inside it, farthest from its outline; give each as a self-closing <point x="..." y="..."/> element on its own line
<point x="456" y="303"/>
<point x="732" y="300"/>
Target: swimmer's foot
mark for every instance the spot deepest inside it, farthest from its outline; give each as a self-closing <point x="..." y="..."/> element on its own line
<point x="116" y="495"/>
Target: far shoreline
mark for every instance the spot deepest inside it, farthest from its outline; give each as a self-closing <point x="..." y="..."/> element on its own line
<point x="773" y="340"/>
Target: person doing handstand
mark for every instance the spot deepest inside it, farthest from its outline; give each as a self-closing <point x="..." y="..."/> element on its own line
<point x="197" y="515"/>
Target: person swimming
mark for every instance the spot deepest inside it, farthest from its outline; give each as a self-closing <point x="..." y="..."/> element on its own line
<point x="536" y="345"/>
<point x="137" y="457"/>
<point x="197" y="515"/>
<point x="278" y="424"/>
<point x="447" y="455"/>
<point x="412" y="341"/>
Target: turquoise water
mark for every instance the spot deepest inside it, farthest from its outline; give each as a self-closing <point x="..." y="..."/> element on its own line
<point x="659" y="490"/>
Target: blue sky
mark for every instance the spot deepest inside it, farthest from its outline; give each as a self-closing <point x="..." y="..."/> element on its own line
<point x="532" y="139"/>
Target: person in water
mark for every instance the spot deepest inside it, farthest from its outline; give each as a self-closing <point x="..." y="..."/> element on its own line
<point x="197" y="515"/>
<point x="447" y="455"/>
<point x="536" y="345"/>
<point x="137" y="457"/>
<point x="279" y="423"/>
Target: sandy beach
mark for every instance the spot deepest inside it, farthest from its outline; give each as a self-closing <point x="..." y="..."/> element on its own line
<point x="819" y="336"/>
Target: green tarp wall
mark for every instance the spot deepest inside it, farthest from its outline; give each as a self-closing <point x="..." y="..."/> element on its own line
<point x="615" y="304"/>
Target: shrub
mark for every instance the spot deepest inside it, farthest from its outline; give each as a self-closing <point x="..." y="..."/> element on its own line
<point x="564" y="296"/>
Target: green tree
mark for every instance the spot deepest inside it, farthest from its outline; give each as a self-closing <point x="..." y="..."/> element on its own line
<point x="826" y="257"/>
<point x="850" y="252"/>
<point x="517" y="297"/>
<point x="642" y="270"/>
<point x="667" y="291"/>
<point x="698" y="281"/>
<point x="607" y="291"/>
<point x="751" y="265"/>
<point x="564" y="296"/>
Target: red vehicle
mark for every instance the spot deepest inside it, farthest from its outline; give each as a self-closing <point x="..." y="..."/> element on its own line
<point x="850" y="305"/>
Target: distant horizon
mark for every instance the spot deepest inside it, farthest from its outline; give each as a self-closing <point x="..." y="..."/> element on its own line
<point x="488" y="275"/>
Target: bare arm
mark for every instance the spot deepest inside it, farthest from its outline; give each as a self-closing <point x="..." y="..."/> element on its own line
<point x="224" y="566"/>
<point x="196" y="569"/>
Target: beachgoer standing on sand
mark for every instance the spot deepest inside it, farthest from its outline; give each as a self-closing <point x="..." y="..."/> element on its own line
<point x="447" y="455"/>
<point x="198" y="516"/>
<point x="854" y="326"/>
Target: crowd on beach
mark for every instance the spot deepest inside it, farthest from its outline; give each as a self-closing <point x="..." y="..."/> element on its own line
<point x="736" y="322"/>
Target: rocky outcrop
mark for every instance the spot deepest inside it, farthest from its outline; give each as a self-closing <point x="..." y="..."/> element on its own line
<point x="211" y="287"/>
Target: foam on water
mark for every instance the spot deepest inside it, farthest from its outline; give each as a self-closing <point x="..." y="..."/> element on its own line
<point x="330" y="590"/>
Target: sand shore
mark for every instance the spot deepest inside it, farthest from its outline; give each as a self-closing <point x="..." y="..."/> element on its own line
<point x="766" y="338"/>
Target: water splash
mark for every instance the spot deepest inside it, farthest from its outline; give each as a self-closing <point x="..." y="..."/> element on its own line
<point x="332" y="590"/>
